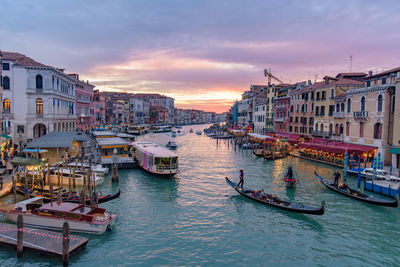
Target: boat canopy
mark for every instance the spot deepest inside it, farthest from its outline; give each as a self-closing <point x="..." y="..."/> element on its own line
<point x="155" y="149"/>
<point x="115" y="141"/>
<point x="103" y="133"/>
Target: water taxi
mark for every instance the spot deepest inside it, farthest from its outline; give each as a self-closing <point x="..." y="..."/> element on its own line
<point x="106" y="148"/>
<point x="155" y="158"/>
<point x="162" y="129"/>
<point x="137" y="129"/>
<point x="81" y="218"/>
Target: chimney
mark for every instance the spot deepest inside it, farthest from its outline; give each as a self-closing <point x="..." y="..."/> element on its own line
<point x="370" y="73"/>
<point x="309" y="82"/>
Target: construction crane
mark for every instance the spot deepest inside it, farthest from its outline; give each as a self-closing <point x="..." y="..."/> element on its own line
<point x="269" y="75"/>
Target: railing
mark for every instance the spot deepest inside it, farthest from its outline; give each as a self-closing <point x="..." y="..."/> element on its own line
<point x="338" y="115"/>
<point x="321" y="133"/>
<point x="360" y="114"/>
<point x="167" y="168"/>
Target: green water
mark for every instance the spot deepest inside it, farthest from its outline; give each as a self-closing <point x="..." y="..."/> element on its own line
<point x="195" y="218"/>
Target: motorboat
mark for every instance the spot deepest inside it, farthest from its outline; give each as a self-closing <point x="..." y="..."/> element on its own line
<point x="198" y="132"/>
<point x="380" y="174"/>
<point x="81" y="218"/>
<point x="66" y="174"/>
<point x="96" y="168"/>
<point x="172" y="145"/>
<point x="173" y="134"/>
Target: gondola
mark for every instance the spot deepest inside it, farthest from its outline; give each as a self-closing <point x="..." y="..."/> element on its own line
<point x="276" y="202"/>
<point x="258" y="152"/>
<point x="357" y="194"/>
<point x="74" y="199"/>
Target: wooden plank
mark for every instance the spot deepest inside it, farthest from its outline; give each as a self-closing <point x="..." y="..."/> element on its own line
<point x="42" y="241"/>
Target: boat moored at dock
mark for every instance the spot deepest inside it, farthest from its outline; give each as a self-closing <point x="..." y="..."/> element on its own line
<point x="106" y="148"/>
<point x="162" y="129"/>
<point x="81" y="218"/>
<point x="155" y="158"/>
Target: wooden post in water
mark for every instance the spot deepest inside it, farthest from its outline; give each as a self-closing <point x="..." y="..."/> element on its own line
<point x="26" y="190"/>
<point x="50" y="184"/>
<point x="65" y="244"/>
<point x="20" y="235"/>
<point x="58" y="173"/>
<point x="84" y="184"/>
<point x="69" y="180"/>
<point x="74" y="174"/>
<point x="14" y="186"/>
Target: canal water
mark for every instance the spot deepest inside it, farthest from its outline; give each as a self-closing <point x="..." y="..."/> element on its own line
<point x="195" y="218"/>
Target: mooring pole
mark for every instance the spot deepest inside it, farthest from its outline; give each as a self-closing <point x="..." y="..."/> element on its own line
<point x="20" y="235"/>
<point x="65" y="244"/>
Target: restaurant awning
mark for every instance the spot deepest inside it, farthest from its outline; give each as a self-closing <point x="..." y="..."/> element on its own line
<point x="394" y="150"/>
<point x="337" y="147"/>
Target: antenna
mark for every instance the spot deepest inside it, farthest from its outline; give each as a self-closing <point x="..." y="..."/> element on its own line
<point x="351" y="63"/>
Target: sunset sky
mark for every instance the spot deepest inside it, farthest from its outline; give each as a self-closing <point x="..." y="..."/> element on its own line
<point x="202" y="53"/>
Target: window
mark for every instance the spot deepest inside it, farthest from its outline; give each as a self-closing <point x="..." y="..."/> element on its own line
<point x="6" y="66"/>
<point x="39" y="106"/>
<point x="384" y="81"/>
<point x="332" y="93"/>
<point x="377" y="131"/>
<point x="316" y="111"/>
<point x="6" y="83"/>
<point x="6" y="106"/>
<point x="323" y="97"/>
<point x="296" y="129"/>
<point x="380" y="102"/>
<point x="39" y="81"/>
<point x="342" y="107"/>
<point x="310" y="130"/>
<point x="20" y="128"/>
<point x="312" y="107"/>
<point x="331" y="110"/>
<point x="361" y="129"/>
<point x="317" y="95"/>
<point x="312" y="96"/>
<point x="291" y="108"/>
<point x="348" y="105"/>
<point x="322" y="111"/>
<point x="311" y="121"/>
<point x="297" y="108"/>
<point x="363" y="103"/>
<point x="368" y="83"/>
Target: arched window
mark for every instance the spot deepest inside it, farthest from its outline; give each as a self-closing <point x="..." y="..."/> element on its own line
<point x="337" y="107"/>
<point x="348" y="105"/>
<point x="6" y="83"/>
<point x="342" y="107"/>
<point x="39" y="81"/>
<point x="362" y="104"/>
<point x="380" y="103"/>
<point x="322" y="127"/>
<point x="347" y="128"/>
<point x="39" y="106"/>
<point x="6" y="106"/>
<point x="55" y="127"/>
<point x="291" y="108"/>
<point x="378" y="130"/>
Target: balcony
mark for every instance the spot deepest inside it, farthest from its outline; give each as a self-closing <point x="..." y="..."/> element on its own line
<point x="280" y="119"/>
<point x="321" y="133"/>
<point x="85" y="101"/>
<point x="338" y="115"/>
<point x="360" y="114"/>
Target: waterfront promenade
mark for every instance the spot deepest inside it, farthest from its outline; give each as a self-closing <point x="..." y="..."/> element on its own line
<point x="195" y="218"/>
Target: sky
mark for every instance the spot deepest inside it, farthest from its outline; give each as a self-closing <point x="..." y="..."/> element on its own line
<point x="203" y="53"/>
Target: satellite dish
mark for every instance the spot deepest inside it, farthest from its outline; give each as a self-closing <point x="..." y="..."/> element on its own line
<point x="265" y="72"/>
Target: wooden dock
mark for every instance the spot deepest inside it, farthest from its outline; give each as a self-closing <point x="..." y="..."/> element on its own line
<point x="38" y="240"/>
<point x="383" y="187"/>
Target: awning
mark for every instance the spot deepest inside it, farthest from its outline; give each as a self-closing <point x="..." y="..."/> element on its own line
<point x="394" y="150"/>
<point x="6" y="136"/>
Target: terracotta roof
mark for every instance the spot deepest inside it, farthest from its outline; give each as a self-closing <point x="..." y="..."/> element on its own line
<point x="344" y="74"/>
<point x="345" y="81"/>
<point x="21" y="60"/>
<point x="383" y="73"/>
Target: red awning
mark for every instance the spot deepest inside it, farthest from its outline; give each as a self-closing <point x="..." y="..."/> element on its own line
<point x="337" y="147"/>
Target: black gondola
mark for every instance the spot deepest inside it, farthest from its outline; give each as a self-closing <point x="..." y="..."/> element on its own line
<point x="276" y="202"/>
<point x="357" y="194"/>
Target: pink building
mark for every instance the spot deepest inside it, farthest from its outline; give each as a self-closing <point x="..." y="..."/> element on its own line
<point x="282" y="110"/>
<point x="84" y="104"/>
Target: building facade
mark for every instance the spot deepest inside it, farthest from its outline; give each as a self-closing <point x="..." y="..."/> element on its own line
<point x="37" y="99"/>
<point x="99" y="108"/>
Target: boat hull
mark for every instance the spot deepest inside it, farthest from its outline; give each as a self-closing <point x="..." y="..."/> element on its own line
<point x="246" y="192"/>
<point x="57" y="223"/>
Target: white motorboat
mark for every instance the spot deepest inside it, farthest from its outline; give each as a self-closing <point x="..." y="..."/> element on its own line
<point x="96" y="168"/>
<point x="81" y="218"/>
<point x="198" y="132"/>
<point x="172" y="145"/>
<point x="173" y="134"/>
<point x="66" y="174"/>
<point x="380" y="174"/>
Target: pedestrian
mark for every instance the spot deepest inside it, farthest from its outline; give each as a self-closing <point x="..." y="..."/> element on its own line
<point x="9" y="166"/>
<point x="241" y="176"/>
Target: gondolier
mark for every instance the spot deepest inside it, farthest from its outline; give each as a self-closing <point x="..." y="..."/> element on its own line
<point x="241" y="176"/>
<point x="337" y="178"/>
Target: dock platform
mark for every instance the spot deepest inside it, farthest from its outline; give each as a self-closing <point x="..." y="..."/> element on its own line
<point x="38" y="240"/>
<point x="383" y="187"/>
